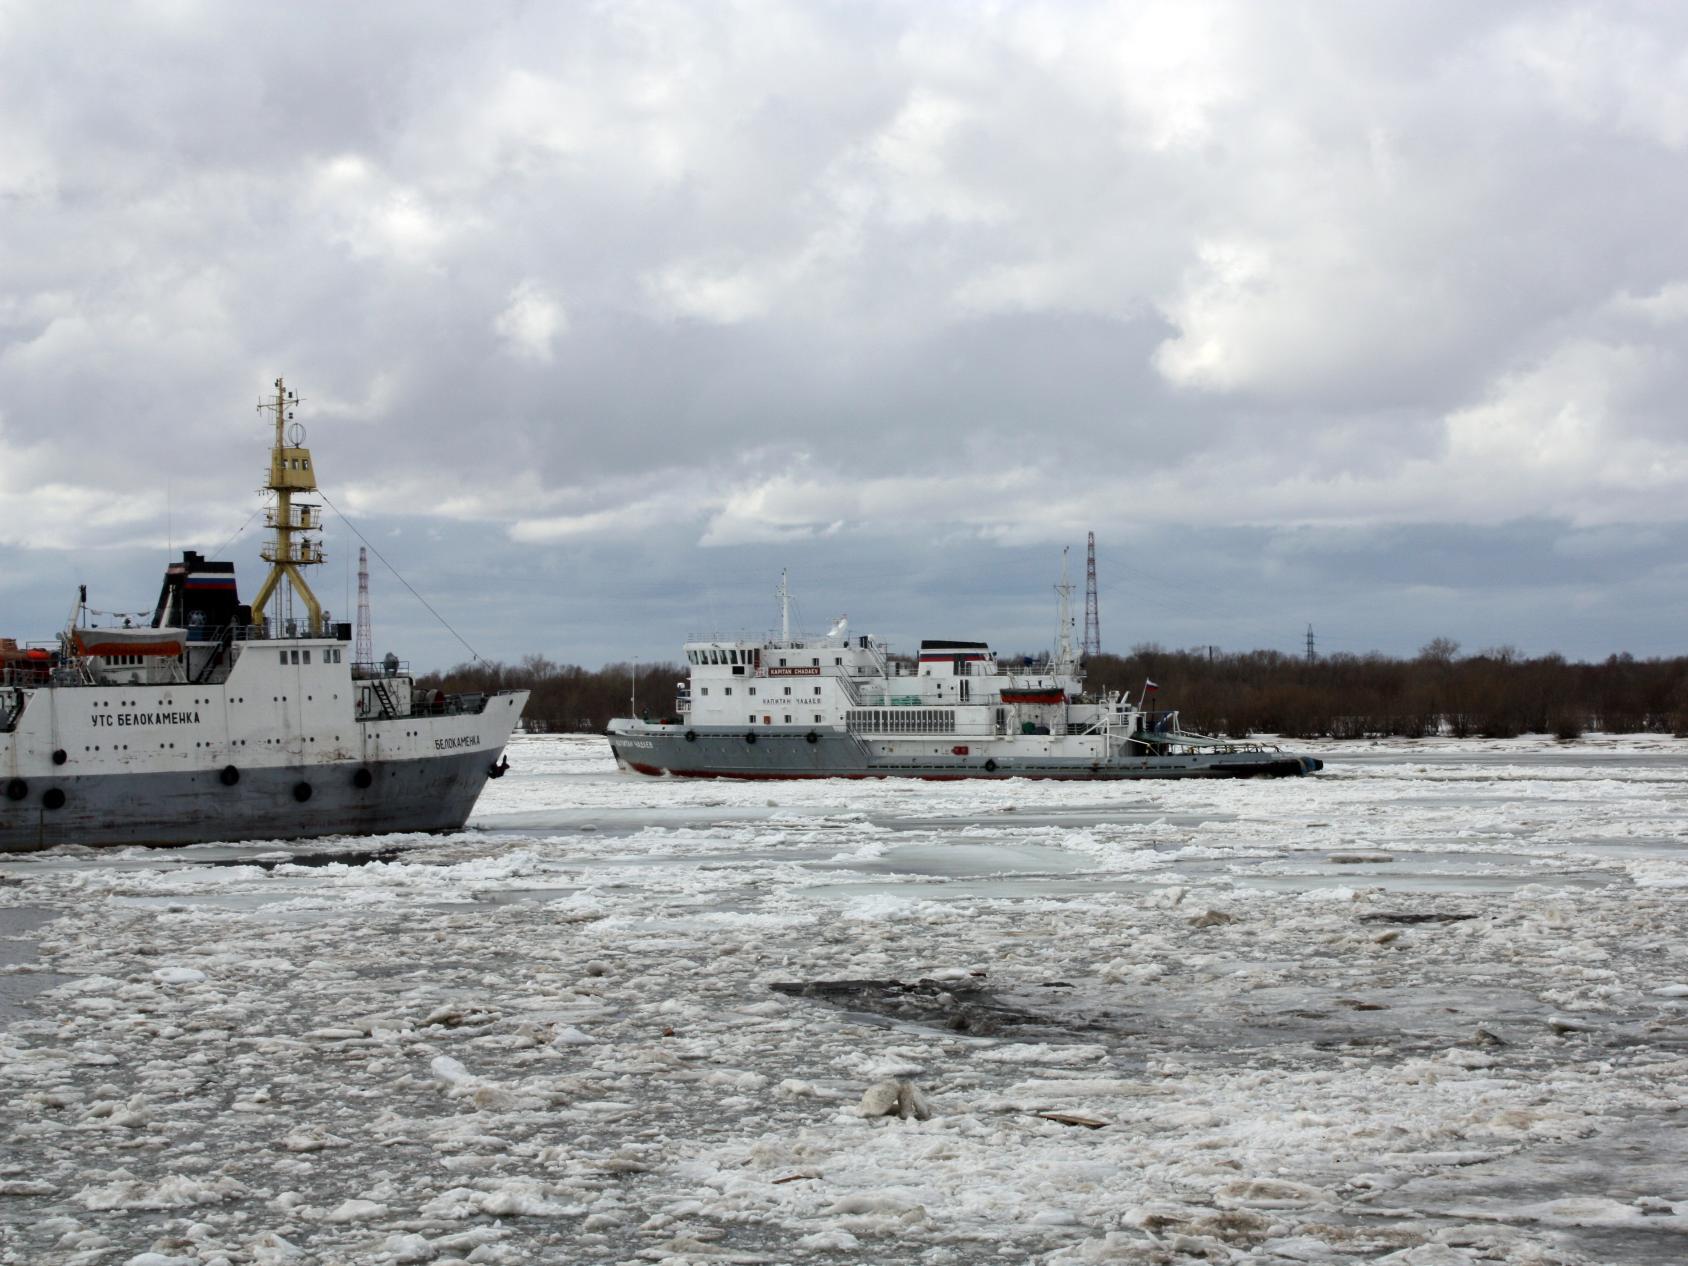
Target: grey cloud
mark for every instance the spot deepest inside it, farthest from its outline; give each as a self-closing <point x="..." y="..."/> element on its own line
<point x="912" y="291"/>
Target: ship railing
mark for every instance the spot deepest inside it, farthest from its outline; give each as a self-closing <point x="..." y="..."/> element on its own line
<point x="369" y="672"/>
<point x="470" y="703"/>
<point x="276" y="630"/>
<point x="966" y="730"/>
<point x="24" y="677"/>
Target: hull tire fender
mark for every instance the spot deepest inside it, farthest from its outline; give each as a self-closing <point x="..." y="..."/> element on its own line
<point x="990" y="765"/>
<point x="52" y="798"/>
<point x="363" y="778"/>
<point x="229" y="776"/>
<point x="691" y="736"/>
<point x="301" y="791"/>
<point x="17" y="789"/>
<point x="750" y="737"/>
<point x="60" y="756"/>
<point x="812" y="737"/>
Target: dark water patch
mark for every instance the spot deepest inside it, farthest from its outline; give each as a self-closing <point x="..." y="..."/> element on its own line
<point x="1416" y="918"/>
<point x="17" y="951"/>
<point x="354" y="858"/>
<point x="959" y="1006"/>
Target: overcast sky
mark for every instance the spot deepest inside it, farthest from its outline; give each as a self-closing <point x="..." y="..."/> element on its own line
<point x="1365" y="316"/>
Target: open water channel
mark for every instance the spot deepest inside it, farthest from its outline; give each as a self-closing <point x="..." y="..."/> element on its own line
<point x="1428" y="1007"/>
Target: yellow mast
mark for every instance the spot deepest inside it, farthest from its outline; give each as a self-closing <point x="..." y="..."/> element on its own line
<point x="292" y="547"/>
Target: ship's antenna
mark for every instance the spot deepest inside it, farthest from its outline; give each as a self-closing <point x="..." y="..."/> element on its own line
<point x="1064" y="627"/>
<point x="363" y="650"/>
<point x="1092" y="617"/>
<point x="784" y="595"/>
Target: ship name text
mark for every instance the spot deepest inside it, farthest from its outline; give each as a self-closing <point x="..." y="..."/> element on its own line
<point x="465" y="740"/>
<point x="794" y="672"/>
<point x="109" y="719"/>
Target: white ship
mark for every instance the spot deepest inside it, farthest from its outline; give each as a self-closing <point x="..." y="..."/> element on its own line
<point x="220" y="721"/>
<point x="843" y="706"/>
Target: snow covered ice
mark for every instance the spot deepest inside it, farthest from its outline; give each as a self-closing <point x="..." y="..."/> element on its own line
<point x="1428" y="1007"/>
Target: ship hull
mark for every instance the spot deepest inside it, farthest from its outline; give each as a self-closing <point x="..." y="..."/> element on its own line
<point x="428" y="793"/>
<point x="788" y="754"/>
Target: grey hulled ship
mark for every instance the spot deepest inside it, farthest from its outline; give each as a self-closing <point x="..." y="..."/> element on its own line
<point x="843" y="706"/>
<point x="224" y="721"/>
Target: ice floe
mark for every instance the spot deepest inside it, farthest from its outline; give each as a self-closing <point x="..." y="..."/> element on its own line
<point x="1427" y="1008"/>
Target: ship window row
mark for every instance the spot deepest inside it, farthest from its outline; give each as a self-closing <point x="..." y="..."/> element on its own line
<point x="718" y="655"/>
<point x="900" y="720"/>
<point x="329" y="656"/>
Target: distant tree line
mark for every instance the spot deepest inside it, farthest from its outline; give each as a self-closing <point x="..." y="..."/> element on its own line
<point x="1495" y="693"/>
<point x="568" y="698"/>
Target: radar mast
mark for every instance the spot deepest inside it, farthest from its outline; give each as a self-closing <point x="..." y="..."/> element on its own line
<point x="292" y="522"/>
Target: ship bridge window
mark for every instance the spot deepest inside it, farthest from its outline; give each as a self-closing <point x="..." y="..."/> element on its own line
<point x="307" y="657"/>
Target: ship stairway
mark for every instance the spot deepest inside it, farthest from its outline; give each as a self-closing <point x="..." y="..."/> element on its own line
<point x="851" y="691"/>
<point x="384" y="697"/>
<point x="864" y="750"/>
<point x="215" y="658"/>
<point x="11" y="708"/>
<point x="881" y="697"/>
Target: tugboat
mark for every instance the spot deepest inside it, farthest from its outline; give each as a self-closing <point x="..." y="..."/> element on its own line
<point x="221" y="721"/>
<point x="842" y="706"/>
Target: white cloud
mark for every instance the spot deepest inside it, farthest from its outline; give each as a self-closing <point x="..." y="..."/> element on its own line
<point x="531" y="323"/>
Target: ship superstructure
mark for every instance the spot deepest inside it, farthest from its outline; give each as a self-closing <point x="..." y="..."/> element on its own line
<point x="843" y="705"/>
<point x="224" y="721"/>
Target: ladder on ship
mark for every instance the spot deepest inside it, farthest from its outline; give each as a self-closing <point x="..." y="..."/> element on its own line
<point x="384" y="697"/>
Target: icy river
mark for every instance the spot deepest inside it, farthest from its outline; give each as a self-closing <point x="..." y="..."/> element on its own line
<point x="1428" y="1007"/>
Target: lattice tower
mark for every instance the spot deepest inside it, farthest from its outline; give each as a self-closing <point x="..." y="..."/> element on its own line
<point x="1092" y="617"/>
<point x="363" y="652"/>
